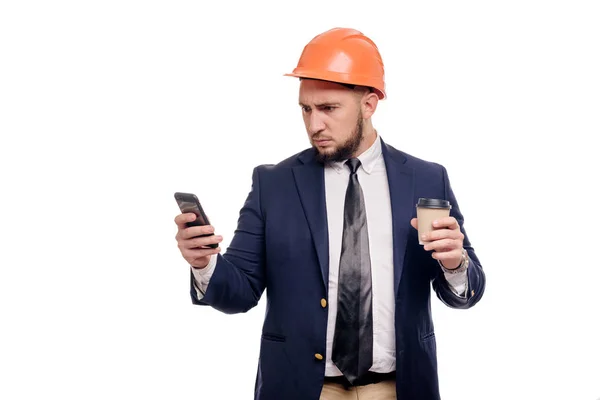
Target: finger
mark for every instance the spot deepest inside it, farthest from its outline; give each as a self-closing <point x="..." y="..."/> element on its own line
<point x="196" y="254"/>
<point x="444" y="233"/>
<point x="202" y="241"/>
<point x="443" y="245"/>
<point x="182" y="219"/>
<point x="413" y="223"/>
<point x="446" y="222"/>
<point x="447" y="255"/>
<point x="197" y="231"/>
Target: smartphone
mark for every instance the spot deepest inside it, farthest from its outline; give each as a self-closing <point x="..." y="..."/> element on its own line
<point x="189" y="203"/>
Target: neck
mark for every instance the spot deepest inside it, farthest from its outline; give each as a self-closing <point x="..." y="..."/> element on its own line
<point x="369" y="137"/>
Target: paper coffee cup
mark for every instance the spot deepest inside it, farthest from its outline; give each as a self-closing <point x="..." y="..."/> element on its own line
<point x="428" y="210"/>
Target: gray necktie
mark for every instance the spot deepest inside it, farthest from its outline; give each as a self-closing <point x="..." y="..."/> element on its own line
<point x="352" y="349"/>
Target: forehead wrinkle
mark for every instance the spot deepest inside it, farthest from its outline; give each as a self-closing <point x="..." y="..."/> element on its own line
<point x="334" y="103"/>
<point x="321" y="92"/>
<point x="316" y="99"/>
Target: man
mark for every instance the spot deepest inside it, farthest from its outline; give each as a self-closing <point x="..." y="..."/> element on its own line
<point x="330" y="233"/>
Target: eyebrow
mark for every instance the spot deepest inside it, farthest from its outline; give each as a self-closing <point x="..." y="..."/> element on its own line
<point x="325" y="104"/>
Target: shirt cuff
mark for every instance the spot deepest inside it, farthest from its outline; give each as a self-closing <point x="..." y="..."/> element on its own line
<point x="459" y="283"/>
<point x="202" y="276"/>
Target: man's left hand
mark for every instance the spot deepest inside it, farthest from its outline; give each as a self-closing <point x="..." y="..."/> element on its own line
<point x="446" y="241"/>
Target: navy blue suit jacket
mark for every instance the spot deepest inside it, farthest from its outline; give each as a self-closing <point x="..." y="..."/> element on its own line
<point x="281" y="245"/>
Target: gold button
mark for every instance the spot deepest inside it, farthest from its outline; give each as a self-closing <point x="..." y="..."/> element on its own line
<point x="318" y="356"/>
<point x="323" y="303"/>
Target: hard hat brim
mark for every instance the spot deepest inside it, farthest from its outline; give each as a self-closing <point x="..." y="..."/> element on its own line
<point x="337" y="77"/>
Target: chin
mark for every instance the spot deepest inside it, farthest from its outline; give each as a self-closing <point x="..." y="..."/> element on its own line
<point x="326" y="151"/>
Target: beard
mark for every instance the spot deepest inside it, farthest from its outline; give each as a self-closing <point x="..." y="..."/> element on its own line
<point x="347" y="149"/>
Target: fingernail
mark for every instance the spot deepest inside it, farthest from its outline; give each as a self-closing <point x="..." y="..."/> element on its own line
<point x="424" y="236"/>
<point x="435" y="223"/>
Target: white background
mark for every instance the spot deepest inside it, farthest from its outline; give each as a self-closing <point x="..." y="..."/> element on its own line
<point x="107" y="108"/>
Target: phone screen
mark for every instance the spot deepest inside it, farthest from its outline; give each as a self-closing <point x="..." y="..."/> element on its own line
<point x="191" y="207"/>
<point x="188" y="203"/>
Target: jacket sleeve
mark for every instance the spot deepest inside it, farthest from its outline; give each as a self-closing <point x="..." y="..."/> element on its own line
<point x="238" y="280"/>
<point x="475" y="275"/>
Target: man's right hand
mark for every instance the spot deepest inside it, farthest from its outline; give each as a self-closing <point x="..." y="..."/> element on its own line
<point x="195" y="250"/>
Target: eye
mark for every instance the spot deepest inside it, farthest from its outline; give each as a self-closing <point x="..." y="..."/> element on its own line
<point x="305" y="109"/>
<point x="328" y="108"/>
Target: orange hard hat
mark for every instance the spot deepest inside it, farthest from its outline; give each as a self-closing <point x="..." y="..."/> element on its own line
<point x="345" y="56"/>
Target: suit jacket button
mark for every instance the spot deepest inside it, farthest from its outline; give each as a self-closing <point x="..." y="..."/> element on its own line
<point x="323" y="303"/>
<point x="318" y="356"/>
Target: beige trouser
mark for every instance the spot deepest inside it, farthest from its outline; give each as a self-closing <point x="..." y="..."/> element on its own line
<point x="385" y="390"/>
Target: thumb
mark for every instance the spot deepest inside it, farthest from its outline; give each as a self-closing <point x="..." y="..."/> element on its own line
<point x="413" y="222"/>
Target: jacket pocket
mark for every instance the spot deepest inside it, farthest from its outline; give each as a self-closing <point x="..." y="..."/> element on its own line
<point x="273" y="337"/>
<point x="428" y="336"/>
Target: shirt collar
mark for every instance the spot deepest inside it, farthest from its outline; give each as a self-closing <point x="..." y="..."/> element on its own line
<point x="367" y="159"/>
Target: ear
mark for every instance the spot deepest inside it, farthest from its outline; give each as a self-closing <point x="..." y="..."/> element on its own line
<point x="369" y="104"/>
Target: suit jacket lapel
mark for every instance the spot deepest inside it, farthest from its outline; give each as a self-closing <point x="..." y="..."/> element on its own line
<point x="401" y="183"/>
<point x="310" y="182"/>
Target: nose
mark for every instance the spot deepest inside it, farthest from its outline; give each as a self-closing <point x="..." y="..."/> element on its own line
<point x="314" y="123"/>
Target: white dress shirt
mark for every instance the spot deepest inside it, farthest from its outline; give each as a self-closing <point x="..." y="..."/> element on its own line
<point x="372" y="177"/>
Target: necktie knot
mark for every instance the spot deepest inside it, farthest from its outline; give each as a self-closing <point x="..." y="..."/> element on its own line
<point x="353" y="164"/>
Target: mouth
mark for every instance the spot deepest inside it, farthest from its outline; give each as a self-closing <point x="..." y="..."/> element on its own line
<point x="323" y="142"/>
